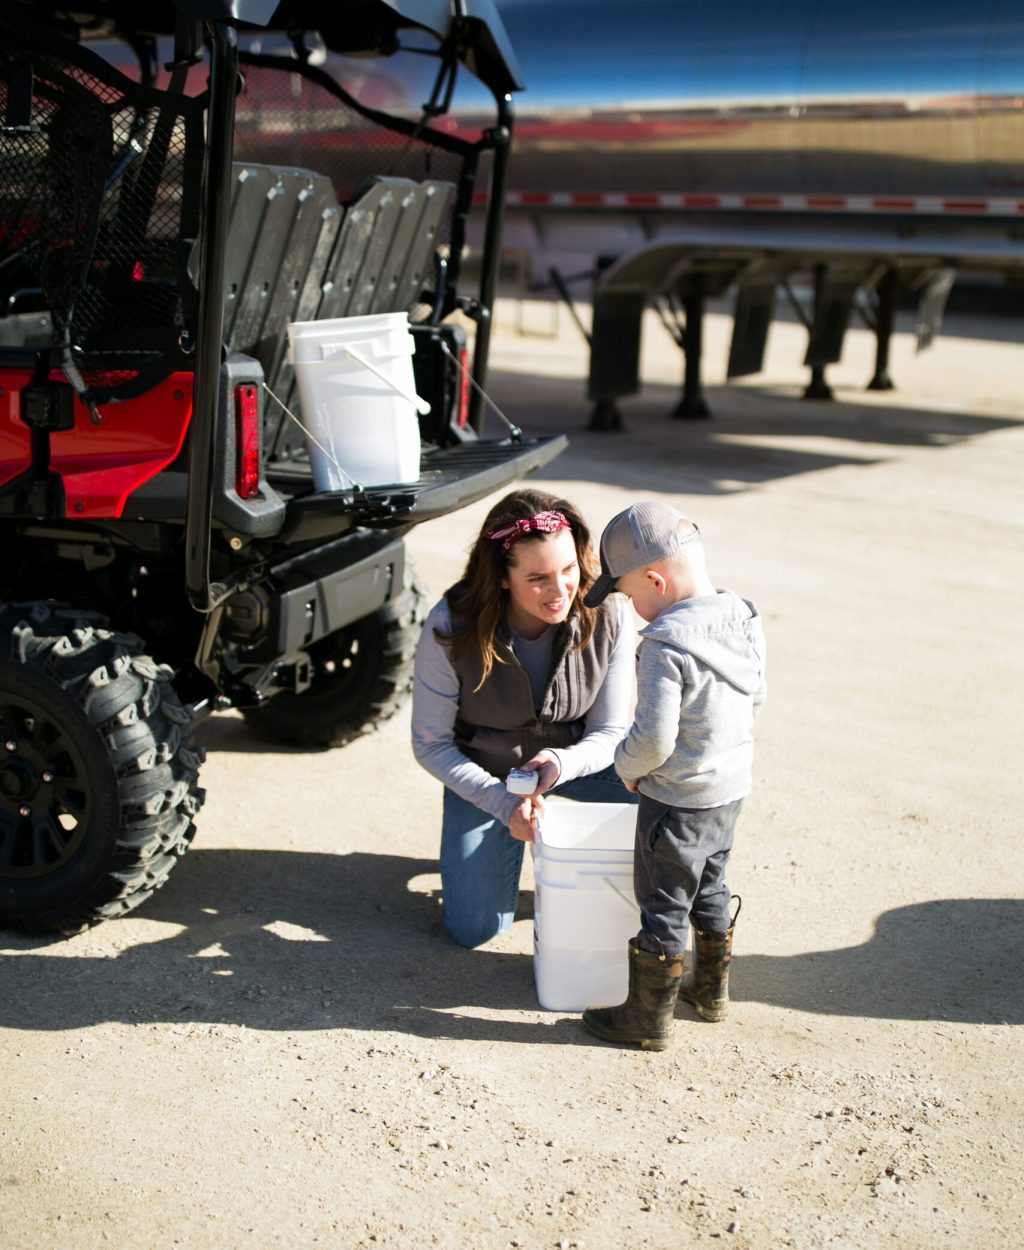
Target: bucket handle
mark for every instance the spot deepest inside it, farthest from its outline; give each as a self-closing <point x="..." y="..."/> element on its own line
<point x="592" y="881"/>
<point x="421" y="405"/>
<point x="628" y="899"/>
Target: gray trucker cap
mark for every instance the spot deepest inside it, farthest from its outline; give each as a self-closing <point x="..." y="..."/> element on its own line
<point x="645" y="533"/>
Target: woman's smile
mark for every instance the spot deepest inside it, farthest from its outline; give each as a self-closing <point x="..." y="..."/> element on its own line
<point x="542" y="580"/>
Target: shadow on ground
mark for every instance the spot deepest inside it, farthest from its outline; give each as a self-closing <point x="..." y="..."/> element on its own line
<point x="231" y="732"/>
<point x="290" y="941"/>
<point x="758" y="434"/>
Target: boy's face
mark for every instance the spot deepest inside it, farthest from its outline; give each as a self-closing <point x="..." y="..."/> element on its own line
<point x="647" y="590"/>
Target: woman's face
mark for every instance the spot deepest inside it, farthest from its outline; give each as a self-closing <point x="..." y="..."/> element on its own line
<point x="542" y="579"/>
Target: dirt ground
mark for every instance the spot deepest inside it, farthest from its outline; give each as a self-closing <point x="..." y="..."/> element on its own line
<point x="283" y="1049"/>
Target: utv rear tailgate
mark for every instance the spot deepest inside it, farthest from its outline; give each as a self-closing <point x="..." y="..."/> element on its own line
<point x="450" y="478"/>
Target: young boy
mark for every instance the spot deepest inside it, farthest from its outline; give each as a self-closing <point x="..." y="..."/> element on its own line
<point x="700" y="683"/>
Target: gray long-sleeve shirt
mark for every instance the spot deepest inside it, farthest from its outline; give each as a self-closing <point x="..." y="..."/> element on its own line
<point x="436" y="703"/>
<point x="700" y="683"/>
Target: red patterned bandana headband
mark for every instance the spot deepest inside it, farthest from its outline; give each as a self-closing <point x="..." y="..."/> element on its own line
<point x="543" y="522"/>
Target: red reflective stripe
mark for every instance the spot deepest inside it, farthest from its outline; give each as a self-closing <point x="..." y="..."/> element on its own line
<point x="247" y="441"/>
<point x="462" y="419"/>
<point x="736" y="200"/>
<point x="965" y="206"/>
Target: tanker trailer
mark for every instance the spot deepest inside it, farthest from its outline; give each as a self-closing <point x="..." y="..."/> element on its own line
<point x="671" y="153"/>
<point x="683" y="151"/>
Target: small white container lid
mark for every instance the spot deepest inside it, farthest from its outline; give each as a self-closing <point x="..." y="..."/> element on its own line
<point x="567" y="825"/>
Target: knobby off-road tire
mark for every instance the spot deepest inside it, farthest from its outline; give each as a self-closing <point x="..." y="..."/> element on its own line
<point x="97" y="771"/>
<point x="361" y="677"/>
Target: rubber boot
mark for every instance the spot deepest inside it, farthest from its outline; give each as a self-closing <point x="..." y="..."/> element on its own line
<point x="645" y="1019"/>
<point x="708" y="988"/>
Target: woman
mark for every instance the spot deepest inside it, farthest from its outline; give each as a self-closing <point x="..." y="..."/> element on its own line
<point x="513" y="671"/>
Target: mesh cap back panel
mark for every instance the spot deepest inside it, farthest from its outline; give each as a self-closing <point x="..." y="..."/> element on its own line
<point x="98" y="210"/>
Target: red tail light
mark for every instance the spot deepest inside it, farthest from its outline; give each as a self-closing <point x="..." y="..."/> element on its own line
<point x="463" y="417"/>
<point x="247" y="440"/>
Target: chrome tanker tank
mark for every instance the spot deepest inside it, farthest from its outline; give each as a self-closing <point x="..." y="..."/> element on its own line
<point x="901" y="99"/>
<point x="872" y="121"/>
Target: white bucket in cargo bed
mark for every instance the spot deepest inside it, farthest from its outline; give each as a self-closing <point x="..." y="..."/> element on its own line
<point x="358" y="399"/>
<point x="585" y="911"/>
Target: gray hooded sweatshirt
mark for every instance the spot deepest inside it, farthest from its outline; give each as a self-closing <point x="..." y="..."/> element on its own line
<point x="700" y="683"/>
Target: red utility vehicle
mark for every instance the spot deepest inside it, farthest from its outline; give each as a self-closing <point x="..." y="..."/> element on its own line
<point x="164" y="551"/>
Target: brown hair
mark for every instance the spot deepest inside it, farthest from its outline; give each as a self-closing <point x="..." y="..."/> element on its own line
<point x="478" y="602"/>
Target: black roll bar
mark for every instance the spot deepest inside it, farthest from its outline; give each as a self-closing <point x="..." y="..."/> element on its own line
<point x="501" y="140"/>
<point x="203" y="595"/>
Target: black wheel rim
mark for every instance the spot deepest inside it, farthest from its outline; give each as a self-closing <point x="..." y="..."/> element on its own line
<point x="45" y="792"/>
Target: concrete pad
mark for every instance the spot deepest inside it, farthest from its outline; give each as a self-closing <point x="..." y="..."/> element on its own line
<point x="283" y="1049"/>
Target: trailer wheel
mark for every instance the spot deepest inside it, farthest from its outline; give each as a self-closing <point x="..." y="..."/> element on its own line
<point x="361" y="677"/>
<point x="97" y="772"/>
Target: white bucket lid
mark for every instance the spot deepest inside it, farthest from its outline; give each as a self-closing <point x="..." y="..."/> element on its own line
<point x="344" y="327"/>
<point x="567" y="825"/>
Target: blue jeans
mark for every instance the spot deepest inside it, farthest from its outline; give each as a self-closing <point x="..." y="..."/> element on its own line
<point x="481" y="861"/>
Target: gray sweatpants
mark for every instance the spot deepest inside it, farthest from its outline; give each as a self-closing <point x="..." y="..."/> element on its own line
<point x="679" y="870"/>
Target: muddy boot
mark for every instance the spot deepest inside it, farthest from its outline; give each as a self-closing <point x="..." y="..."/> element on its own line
<point x="645" y="1019"/>
<point x="708" y="988"/>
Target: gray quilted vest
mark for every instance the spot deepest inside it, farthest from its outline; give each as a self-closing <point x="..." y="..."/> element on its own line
<point x="498" y="726"/>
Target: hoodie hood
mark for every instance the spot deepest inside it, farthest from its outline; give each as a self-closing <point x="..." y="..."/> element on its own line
<point x="721" y="631"/>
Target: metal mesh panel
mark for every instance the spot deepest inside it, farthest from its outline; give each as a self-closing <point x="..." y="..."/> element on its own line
<point x="97" y="211"/>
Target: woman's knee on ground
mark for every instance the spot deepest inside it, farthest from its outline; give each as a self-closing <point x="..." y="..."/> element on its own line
<point x="474" y="931"/>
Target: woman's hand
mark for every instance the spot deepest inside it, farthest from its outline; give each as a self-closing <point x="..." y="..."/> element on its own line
<point x="545" y="764"/>
<point x="523" y="824"/>
<point x="631" y="786"/>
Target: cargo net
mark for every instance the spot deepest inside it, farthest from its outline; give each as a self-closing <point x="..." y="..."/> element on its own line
<point x="97" y="213"/>
<point x="285" y="118"/>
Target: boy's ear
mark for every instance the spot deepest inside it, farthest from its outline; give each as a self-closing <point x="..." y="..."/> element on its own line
<point x="657" y="580"/>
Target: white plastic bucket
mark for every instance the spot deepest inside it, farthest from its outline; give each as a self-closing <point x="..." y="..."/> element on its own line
<point x="358" y="399"/>
<point x="584" y="908"/>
